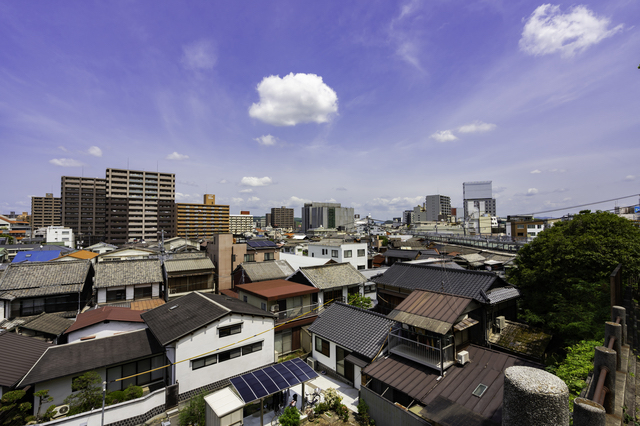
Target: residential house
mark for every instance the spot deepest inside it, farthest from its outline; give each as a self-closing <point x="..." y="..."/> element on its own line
<point x="46" y="327"/>
<point x="210" y="338"/>
<point x="346" y="339"/>
<point x="101" y="248"/>
<point x="104" y="321"/>
<point x="128" y="280"/>
<point x="297" y="262"/>
<point x="36" y="256"/>
<point x="30" y="288"/>
<point x="251" y="272"/>
<point x="17" y="356"/>
<point x="294" y="305"/>
<point x="115" y="357"/>
<point x="80" y="254"/>
<point x="340" y="251"/>
<point x="335" y="281"/>
<point x="127" y="253"/>
<point x="189" y="272"/>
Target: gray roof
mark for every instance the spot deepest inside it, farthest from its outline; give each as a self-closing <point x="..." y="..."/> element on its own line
<point x="128" y="272"/>
<point x="332" y="275"/>
<point x="192" y="311"/>
<point x="48" y="323"/>
<point x="402" y="254"/>
<point x="32" y="279"/>
<point x="17" y="356"/>
<point x="501" y="294"/>
<point x="459" y="282"/>
<point x="72" y="358"/>
<point x="355" y="329"/>
<point x="265" y="271"/>
<point x="188" y="264"/>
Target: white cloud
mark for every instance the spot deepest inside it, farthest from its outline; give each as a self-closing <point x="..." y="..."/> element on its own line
<point x="531" y="191"/>
<point x="549" y="31"/>
<point x="199" y="55"/>
<point x="255" y="181"/>
<point x="223" y="181"/>
<point x="444" y="136"/>
<point x="175" y="156"/>
<point x="534" y="172"/>
<point x="66" y="162"/>
<point x="95" y="151"/>
<point x="237" y="200"/>
<point x="397" y="201"/>
<point x="246" y="191"/>
<point x="62" y="148"/>
<point x="266" y="140"/>
<point x="476" y="126"/>
<point x="557" y="170"/>
<point x="253" y="200"/>
<point x="629" y="178"/>
<point x="293" y="99"/>
<point x="187" y="182"/>
<point x="294" y="201"/>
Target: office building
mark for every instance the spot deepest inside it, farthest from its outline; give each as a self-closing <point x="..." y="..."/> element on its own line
<point x="83" y="203"/>
<point x="281" y="218"/>
<point x="140" y="206"/>
<point x="438" y="208"/>
<point x="477" y="196"/>
<point x="200" y="221"/>
<point x="327" y="215"/>
<point x="45" y="211"/>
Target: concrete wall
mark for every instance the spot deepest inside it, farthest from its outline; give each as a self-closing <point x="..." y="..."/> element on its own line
<point x="385" y="412"/>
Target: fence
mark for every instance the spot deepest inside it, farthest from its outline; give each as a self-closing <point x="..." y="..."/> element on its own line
<point x="385" y="412"/>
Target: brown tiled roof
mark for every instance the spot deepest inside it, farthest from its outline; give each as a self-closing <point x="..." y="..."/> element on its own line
<point x="128" y="272"/>
<point x="17" y="356"/>
<point x="80" y="254"/>
<point x="32" y="279"/>
<point x="104" y="313"/>
<point x="276" y="289"/>
<point x="146" y="305"/>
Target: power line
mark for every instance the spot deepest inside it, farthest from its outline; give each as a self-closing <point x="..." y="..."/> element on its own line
<point x="584" y="205"/>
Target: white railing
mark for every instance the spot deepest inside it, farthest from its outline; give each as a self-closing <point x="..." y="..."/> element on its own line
<point x="292" y="313"/>
<point x="419" y="352"/>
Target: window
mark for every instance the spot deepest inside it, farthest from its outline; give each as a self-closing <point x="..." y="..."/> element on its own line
<point x="263" y="306"/>
<point x="245" y="298"/>
<point x="361" y="267"/>
<point x="252" y="348"/>
<point x="323" y="347"/>
<point x="325" y="251"/>
<point x="269" y="256"/>
<point x="114" y="295"/>
<point x="370" y="288"/>
<point x="520" y="226"/>
<point x="226" y="356"/>
<point x="142" y="292"/>
<point x="531" y="226"/>
<point x="334" y="253"/>
<point x="347" y="253"/>
<point x="361" y="252"/>
<point x="249" y="257"/>
<point x="203" y="362"/>
<point x="229" y="330"/>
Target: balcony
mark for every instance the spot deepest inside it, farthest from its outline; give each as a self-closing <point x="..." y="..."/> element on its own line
<point x="405" y="344"/>
<point x="301" y="311"/>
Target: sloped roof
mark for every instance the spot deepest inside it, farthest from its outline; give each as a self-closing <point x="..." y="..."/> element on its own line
<point x="269" y="270"/>
<point x="192" y="311"/>
<point x="332" y="275"/>
<point x="35" y="256"/>
<point x="48" y="323"/>
<point x="276" y="289"/>
<point x="501" y="294"/>
<point x="435" y="312"/>
<point x="80" y="254"/>
<point x="128" y="272"/>
<point x="188" y="264"/>
<point x="31" y="279"/>
<point x="104" y="313"/>
<point x="402" y="254"/>
<point x="521" y="338"/>
<point x="458" y="282"/>
<point x="17" y="356"/>
<point x="296" y="262"/>
<point x="355" y="329"/>
<point x="72" y="358"/>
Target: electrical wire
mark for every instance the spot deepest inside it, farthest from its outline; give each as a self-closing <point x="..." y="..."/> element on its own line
<point x="583" y="205"/>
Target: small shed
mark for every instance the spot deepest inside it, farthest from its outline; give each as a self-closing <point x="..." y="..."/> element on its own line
<point x="224" y="408"/>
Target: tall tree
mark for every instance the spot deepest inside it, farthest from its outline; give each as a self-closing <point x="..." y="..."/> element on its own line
<point x="564" y="273"/>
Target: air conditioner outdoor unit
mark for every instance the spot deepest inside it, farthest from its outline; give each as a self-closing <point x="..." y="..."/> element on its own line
<point x="462" y="357"/>
<point x="311" y="362"/>
<point x="500" y="323"/>
<point x="274" y="308"/>
<point x="60" y="411"/>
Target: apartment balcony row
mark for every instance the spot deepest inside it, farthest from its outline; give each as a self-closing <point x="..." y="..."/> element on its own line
<point x="434" y="352"/>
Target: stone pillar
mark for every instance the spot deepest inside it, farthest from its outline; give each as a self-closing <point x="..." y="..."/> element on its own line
<point x="604" y="357"/>
<point x="588" y="413"/>
<point x="611" y="329"/>
<point x="534" y="397"/>
<point x="619" y="311"/>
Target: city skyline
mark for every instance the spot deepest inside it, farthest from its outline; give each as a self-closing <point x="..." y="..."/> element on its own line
<point x="371" y="105"/>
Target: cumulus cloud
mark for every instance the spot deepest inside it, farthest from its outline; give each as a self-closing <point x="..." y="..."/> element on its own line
<point x="629" y="178"/>
<point x="237" y="200"/>
<point x="66" y="162"/>
<point x="293" y="99"/>
<point x="534" y="172"/>
<point x="95" y="151"/>
<point x="476" y="126"/>
<point x="246" y="191"/>
<point x="175" y="156"/>
<point x="294" y="201"/>
<point x="266" y="140"/>
<point x="548" y="30"/>
<point x="444" y="136"/>
<point x="397" y="201"/>
<point x="199" y="55"/>
<point x="255" y="181"/>
<point x="531" y="191"/>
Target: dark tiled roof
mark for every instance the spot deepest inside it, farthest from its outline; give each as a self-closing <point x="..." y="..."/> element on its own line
<point x="104" y="313"/>
<point x="270" y="270"/>
<point x="333" y="275"/>
<point x="355" y="329"/>
<point x="17" y="356"/>
<point x="74" y="358"/>
<point x="459" y="282"/>
<point x="31" y="279"/>
<point x="128" y="272"/>
<point x="48" y="323"/>
<point x="188" y="264"/>
<point x="192" y="311"/>
<point x="402" y="254"/>
<point x="501" y="294"/>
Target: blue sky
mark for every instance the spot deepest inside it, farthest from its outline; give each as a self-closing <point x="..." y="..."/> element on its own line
<point x="373" y="104"/>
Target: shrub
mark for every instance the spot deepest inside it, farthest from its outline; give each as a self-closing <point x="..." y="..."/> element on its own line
<point x="332" y="398"/>
<point x="576" y="367"/>
<point x="321" y="407"/>
<point x="194" y="413"/>
<point x="290" y="417"/>
<point x="343" y="412"/>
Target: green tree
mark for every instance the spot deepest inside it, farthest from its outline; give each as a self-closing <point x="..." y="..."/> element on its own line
<point x="88" y="395"/>
<point x="43" y="397"/>
<point x="15" y="412"/>
<point x="360" y="301"/>
<point x="194" y="413"/>
<point x="290" y="417"/>
<point x="576" y="366"/>
<point x="564" y="273"/>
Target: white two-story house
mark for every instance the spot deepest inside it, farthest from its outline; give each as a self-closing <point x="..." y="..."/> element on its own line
<point x="340" y="251"/>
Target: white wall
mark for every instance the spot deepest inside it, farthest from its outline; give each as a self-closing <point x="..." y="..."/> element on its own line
<point x="105" y="329"/>
<point x="207" y="339"/>
<point x="4" y="309"/>
<point x="329" y="361"/>
<point x="315" y="250"/>
<point x="59" y="389"/>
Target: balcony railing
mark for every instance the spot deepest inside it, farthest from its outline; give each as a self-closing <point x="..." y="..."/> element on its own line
<point x="430" y="355"/>
<point x="289" y="314"/>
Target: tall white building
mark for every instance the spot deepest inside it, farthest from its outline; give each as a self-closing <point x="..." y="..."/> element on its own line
<point x="240" y="223"/>
<point x="477" y="196"/>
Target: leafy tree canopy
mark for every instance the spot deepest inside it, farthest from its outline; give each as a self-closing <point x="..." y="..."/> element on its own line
<point x="88" y="395"/>
<point x="360" y="301"/>
<point x="564" y="273"/>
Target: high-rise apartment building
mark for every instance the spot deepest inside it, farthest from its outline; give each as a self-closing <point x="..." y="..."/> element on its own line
<point x="140" y="205"/>
<point x="45" y="211"/>
<point x="281" y="218"/>
<point x="327" y="215"/>
<point x="478" y="196"/>
<point x="240" y="223"/>
<point x="202" y="220"/>
<point x="438" y="208"/>
<point x="83" y="203"/>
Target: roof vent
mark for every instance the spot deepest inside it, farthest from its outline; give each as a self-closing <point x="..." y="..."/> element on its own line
<point x="173" y="307"/>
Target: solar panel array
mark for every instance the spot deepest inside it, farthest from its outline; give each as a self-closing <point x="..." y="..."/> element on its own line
<point x="269" y="380"/>
<point x="261" y="243"/>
